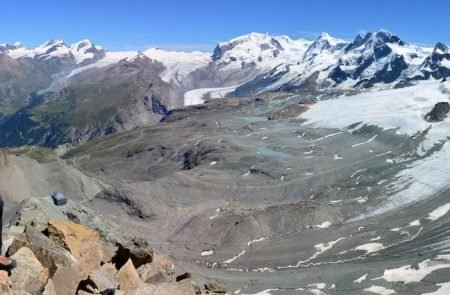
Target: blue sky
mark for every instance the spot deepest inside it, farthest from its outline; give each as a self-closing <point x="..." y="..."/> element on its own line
<point x="200" y="24"/>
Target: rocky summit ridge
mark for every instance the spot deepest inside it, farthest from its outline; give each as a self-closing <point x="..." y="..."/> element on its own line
<point x="71" y="250"/>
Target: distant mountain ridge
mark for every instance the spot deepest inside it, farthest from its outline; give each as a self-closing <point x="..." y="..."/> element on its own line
<point x="58" y="93"/>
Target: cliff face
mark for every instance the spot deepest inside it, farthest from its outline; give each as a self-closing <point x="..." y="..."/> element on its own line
<point x="71" y="250"/>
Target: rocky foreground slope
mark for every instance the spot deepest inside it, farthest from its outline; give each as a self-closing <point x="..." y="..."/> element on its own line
<point x="72" y="250"/>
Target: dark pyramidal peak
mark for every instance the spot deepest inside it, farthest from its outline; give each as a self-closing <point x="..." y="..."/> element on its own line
<point x="377" y="41"/>
<point x="440" y="47"/>
<point x="437" y="64"/>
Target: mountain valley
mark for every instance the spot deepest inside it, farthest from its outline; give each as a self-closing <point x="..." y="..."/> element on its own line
<point x="276" y="166"/>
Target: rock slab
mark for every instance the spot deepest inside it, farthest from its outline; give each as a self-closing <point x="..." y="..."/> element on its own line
<point x="82" y="242"/>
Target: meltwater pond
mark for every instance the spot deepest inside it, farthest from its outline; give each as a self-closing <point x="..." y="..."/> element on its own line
<point x="262" y="149"/>
<point x="254" y="119"/>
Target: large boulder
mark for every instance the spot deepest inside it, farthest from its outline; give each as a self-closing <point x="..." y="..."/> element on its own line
<point x="82" y="242"/>
<point x="66" y="280"/>
<point x="161" y="270"/>
<point x="128" y="277"/>
<point x="29" y="275"/>
<point x="101" y="281"/>
<point x="137" y="250"/>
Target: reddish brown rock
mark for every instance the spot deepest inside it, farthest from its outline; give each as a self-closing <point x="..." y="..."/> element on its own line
<point x="82" y="242"/>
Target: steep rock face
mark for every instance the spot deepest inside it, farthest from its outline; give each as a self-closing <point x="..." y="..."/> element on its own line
<point x="57" y="93"/>
<point x="19" y="79"/>
<point x="97" y="102"/>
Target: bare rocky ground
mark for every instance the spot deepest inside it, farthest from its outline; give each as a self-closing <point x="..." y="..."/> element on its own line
<point x="69" y="249"/>
<point x="271" y="206"/>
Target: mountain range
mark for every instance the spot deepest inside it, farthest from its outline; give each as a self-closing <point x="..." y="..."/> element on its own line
<point x="267" y="166"/>
<point x="58" y="93"/>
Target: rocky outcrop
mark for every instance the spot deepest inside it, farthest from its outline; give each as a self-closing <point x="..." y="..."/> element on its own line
<point x="438" y="113"/>
<point x="128" y="198"/>
<point x="137" y="250"/>
<point x="82" y="242"/>
<point x="56" y="255"/>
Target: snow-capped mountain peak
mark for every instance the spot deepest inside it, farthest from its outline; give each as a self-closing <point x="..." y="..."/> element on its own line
<point x="327" y="47"/>
<point x="84" y="51"/>
<point x="86" y="43"/>
<point x="262" y="51"/>
<point x="324" y="40"/>
<point x="55" y="48"/>
<point x="6" y="48"/>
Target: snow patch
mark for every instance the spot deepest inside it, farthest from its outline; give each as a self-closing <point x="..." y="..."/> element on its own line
<point x="370" y="247"/>
<point x="439" y="212"/>
<point x="207" y="253"/>
<point x="407" y="274"/>
<point x="325" y="224"/>
<point x="359" y="280"/>
<point x="380" y="290"/>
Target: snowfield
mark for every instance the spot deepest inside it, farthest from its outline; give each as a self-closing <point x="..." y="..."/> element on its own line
<point x="404" y="110"/>
<point x="178" y="64"/>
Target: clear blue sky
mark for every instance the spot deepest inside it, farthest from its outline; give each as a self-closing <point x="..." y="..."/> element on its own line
<point x="200" y="24"/>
